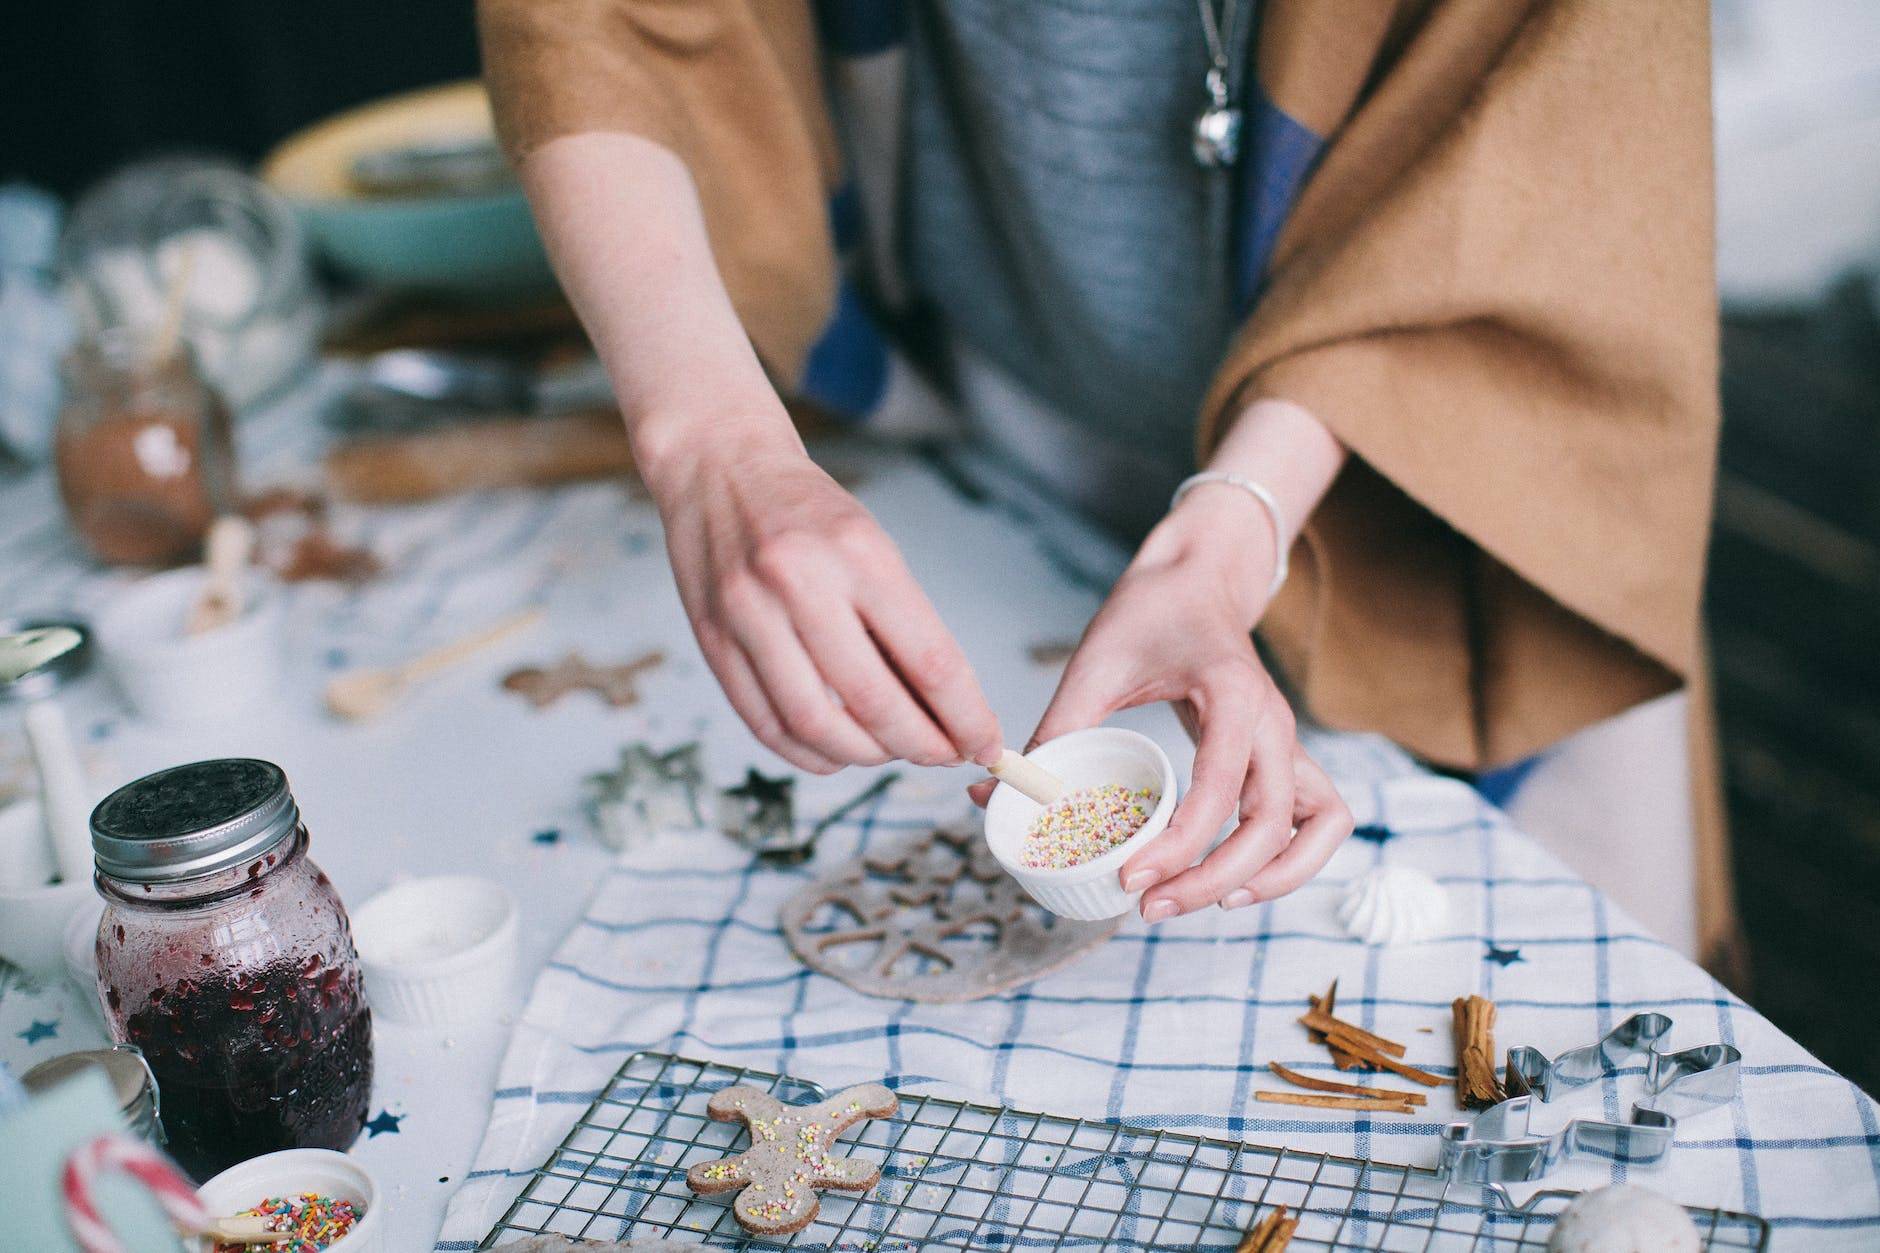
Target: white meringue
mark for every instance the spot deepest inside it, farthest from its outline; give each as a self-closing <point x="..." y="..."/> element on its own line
<point x="1624" y="1219"/>
<point x="1394" y="905"/>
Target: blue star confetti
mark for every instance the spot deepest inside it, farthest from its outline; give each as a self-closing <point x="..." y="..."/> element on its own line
<point x="1375" y="832"/>
<point x="40" y="1030"/>
<point x="385" y="1123"/>
<point x="335" y="658"/>
<point x="548" y="835"/>
<point x="1503" y="956"/>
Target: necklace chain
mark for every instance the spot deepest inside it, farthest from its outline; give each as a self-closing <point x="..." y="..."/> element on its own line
<point x="1216" y="138"/>
<point x="1212" y="26"/>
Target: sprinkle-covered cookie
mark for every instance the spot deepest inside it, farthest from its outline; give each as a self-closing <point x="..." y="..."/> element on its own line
<point x="777" y="1179"/>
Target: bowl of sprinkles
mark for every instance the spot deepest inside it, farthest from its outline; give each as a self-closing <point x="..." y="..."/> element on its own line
<point x="318" y="1198"/>
<point x="1119" y="795"/>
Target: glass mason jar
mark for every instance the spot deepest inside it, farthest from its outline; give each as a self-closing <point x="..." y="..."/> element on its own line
<point x="143" y="450"/>
<point x="225" y="955"/>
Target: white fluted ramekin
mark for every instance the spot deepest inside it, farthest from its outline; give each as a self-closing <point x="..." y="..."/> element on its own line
<point x="291" y="1172"/>
<point x="1083" y="759"/>
<point x="439" y="950"/>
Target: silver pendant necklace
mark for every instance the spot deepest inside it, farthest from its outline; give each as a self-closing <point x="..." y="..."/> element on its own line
<point x="1216" y="138"/>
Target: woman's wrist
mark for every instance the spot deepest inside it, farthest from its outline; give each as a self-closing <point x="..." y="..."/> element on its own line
<point x="677" y="452"/>
<point x="1223" y="536"/>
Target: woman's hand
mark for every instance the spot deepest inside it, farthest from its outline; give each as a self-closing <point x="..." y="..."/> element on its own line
<point x="1177" y="627"/>
<point x="804" y="610"/>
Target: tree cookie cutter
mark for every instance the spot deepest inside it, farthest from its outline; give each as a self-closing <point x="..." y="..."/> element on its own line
<point x="1497" y="1147"/>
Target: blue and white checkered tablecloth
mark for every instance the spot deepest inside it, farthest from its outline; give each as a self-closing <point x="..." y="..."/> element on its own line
<point x="1172" y="1027"/>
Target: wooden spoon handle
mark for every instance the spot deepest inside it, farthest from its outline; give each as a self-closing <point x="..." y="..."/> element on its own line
<point x="243" y="1229"/>
<point x="231" y="542"/>
<point x="1027" y="777"/>
<point x="459" y="650"/>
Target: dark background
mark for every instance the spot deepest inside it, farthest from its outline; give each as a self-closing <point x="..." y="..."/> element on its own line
<point x="88" y="84"/>
<point x="1794" y="604"/>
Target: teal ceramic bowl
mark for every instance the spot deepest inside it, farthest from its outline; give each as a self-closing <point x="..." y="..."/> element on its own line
<point x="479" y="245"/>
<point x="463" y="246"/>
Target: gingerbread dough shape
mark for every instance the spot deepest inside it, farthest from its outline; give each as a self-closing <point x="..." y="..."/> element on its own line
<point x="617" y="685"/>
<point x="778" y="1178"/>
<point x="933" y="919"/>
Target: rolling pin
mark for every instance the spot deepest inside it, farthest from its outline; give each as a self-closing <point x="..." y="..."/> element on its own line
<point x="498" y="452"/>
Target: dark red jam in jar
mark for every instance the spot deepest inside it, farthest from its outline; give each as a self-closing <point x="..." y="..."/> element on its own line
<point x="225" y="955"/>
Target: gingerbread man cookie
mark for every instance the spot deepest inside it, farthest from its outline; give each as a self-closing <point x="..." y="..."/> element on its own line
<point x="617" y="685"/>
<point x="778" y="1177"/>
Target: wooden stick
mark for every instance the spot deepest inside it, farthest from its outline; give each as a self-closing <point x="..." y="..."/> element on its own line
<point x="1370" y="1056"/>
<point x="1477" y="1086"/>
<point x="1348" y="1089"/>
<point x="230" y="544"/>
<point x="175" y="305"/>
<point x="1319" y="1020"/>
<point x="1319" y="1100"/>
<point x="1270" y="1235"/>
<point x="1026" y="776"/>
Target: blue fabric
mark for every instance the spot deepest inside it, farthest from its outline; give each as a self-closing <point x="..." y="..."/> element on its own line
<point x="1277" y="154"/>
<point x="860" y="28"/>
<point x="1499" y="786"/>
<point x="847" y="370"/>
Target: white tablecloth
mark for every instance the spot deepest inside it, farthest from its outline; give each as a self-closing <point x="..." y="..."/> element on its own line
<point x="467" y="777"/>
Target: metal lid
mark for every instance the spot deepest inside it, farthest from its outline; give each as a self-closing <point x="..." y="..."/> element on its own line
<point x="190" y="821"/>
<point x="123" y="1067"/>
<point x="55" y="674"/>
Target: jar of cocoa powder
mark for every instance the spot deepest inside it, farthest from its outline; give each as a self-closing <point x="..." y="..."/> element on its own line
<point x="143" y="450"/>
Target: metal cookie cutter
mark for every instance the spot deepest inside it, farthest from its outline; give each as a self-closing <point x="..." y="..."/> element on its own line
<point x="1496" y="1147"/>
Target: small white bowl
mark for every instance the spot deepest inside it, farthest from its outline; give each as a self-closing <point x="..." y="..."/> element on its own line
<point x="439" y="950"/>
<point x="1083" y="759"/>
<point x="173" y="677"/>
<point x="293" y="1171"/>
<point x="32" y="925"/>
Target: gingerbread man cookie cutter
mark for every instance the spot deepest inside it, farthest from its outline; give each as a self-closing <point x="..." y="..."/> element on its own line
<point x="1497" y="1147"/>
<point x="790" y="1158"/>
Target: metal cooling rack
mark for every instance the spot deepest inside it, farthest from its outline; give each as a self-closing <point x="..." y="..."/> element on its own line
<point x="962" y="1176"/>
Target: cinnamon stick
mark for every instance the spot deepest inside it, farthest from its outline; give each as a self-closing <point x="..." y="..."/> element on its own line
<point x="1325" y="1005"/>
<point x="1477" y="1085"/>
<point x="1348" y="1089"/>
<point x="1270" y="1235"/>
<point x="1370" y="1056"/>
<point x="1334" y="1028"/>
<point x="1321" y="1100"/>
<point x="1340" y="1058"/>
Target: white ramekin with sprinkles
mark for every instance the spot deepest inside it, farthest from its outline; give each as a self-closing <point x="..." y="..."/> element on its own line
<point x="294" y="1174"/>
<point x="1075" y="872"/>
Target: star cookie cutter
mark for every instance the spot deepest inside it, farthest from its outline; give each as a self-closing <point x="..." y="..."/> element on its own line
<point x="1497" y="1147"/>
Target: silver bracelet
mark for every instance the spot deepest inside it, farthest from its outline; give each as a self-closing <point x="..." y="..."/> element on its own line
<point x="1259" y="493"/>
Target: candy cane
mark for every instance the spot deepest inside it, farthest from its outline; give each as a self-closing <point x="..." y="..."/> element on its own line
<point x="142" y="1163"/>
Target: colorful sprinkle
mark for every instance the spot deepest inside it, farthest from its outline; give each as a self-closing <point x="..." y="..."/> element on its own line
<point x="315" y="1221"/>
<point x="1083" y="825"/>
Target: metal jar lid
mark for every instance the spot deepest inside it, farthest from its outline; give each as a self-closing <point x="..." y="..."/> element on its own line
<point x="191" y="821"/>
<point x="133" y="1086"/>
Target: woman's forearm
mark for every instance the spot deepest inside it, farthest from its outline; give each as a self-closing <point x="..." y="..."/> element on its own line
<point x="622" y="223"/>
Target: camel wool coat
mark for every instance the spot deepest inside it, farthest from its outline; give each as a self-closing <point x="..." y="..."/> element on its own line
<point x="1495" y="285"/>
